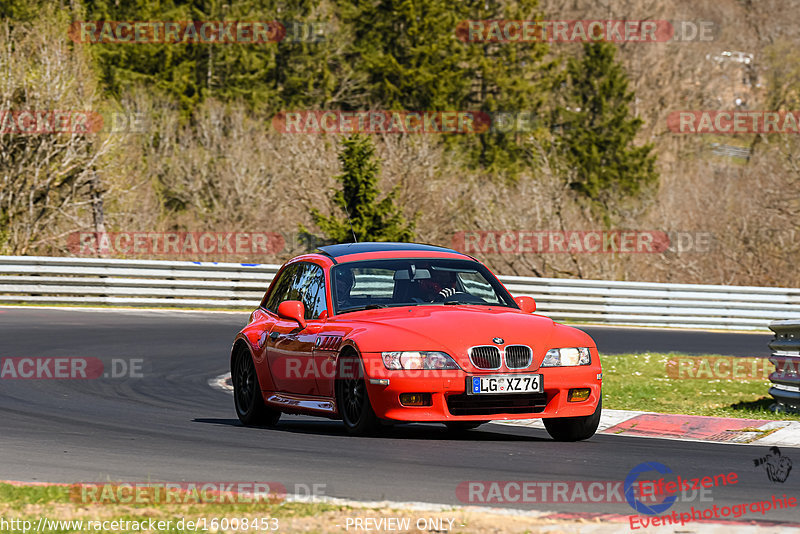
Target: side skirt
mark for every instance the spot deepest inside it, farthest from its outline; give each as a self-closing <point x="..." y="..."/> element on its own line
<point x="302" y="404"/>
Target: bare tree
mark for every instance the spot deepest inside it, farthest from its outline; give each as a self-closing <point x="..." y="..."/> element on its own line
<point x="47" y="176"/>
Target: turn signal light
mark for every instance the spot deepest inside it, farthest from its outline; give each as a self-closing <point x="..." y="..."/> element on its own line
<point x="578" y="394"/>
<point x="415" y="399"/>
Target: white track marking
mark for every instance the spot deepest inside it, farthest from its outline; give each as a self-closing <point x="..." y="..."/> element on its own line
<point x="222" y="383"/>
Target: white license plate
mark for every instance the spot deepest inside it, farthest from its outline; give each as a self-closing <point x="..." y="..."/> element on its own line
<point x="492" y="384"/>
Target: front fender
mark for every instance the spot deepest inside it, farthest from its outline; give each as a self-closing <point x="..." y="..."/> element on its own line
<point x="254" y="342"/>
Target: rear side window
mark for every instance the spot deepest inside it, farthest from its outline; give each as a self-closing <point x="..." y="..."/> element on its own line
<point x="282" y="287"/>
<point x="309" y="288"/>
<point x="300" y="281"/>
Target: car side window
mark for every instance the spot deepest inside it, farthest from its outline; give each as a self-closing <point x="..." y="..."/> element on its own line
<point x="315" y="301"/>
<point x="309" y="288"/>
<point x="283" y="285"/>
<point x="475" y="284"/>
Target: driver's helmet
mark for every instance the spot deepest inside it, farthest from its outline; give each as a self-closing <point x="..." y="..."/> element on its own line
<point x="438" y="281"/>
<point x="343" y="279"/>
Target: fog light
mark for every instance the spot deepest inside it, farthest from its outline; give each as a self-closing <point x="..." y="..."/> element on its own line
<point x="578" y="395"/>
<point x="415" y="399"/>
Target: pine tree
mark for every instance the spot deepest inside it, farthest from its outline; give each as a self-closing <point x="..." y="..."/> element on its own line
<point x="369" y="219"/>
<point x="410" y="56"/>
<point x="598" y="132"/>
<point x="269" y="77"/>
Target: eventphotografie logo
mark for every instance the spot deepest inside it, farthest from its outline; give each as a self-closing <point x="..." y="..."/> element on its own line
<point x="667" y="490"/>
<point x="632" y="481"/>
<point x="775" y="464"/>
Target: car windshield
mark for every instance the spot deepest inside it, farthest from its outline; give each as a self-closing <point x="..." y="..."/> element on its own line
<point x="413" y="282"/>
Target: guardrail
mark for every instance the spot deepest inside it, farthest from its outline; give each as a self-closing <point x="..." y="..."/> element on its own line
<point x="731" y="151"/>
<point x="133" y="282"/>
<point x="785" y="347"/>
<point x="236" y="285"/>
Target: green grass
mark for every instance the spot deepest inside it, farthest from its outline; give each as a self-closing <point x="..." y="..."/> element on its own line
<point x="17" y="496"/>
<point x="642" y="382"/>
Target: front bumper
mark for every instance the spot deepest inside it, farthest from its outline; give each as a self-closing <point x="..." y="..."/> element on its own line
<point x="449" y="401"/>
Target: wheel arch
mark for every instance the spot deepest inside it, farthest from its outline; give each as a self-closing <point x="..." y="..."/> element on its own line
<point x="349" y="347"/>
<point x="243" y="345"/>
<point x="240" y="344"/>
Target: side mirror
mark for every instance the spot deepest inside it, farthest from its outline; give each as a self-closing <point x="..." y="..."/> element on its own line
<point x="294" y="310"/>
<point x="526" y="304"/>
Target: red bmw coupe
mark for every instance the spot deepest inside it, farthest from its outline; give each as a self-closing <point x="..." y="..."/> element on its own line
<point x="375" y="333"/>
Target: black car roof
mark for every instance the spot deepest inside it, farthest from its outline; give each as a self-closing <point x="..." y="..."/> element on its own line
<point x="345" y="249"/>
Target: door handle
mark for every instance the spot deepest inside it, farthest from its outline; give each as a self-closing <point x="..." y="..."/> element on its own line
<point x="274" y="335"/>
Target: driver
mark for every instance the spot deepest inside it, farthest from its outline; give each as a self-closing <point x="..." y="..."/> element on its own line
<point x="441" y="285"/>
<point x="343" y="280"/>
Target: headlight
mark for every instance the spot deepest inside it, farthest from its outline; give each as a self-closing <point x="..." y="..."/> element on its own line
<point x="567" y="357"/>
<point x="418" y="360"/>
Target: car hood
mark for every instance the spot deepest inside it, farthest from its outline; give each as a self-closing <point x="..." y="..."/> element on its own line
<point x="454" y="329"/>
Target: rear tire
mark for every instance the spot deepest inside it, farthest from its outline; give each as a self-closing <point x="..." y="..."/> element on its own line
<point x="574" y="428"/>
<point x="247" y="399"/>
<point x="352" y="399"/>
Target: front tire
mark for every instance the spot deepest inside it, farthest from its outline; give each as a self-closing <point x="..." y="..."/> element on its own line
<point x="574" y="428"/>
<point x="250" y="407"/>
<point x="352" y="399"/>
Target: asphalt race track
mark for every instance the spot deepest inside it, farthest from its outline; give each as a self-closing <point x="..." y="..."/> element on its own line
<point x="169" y="425"/>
